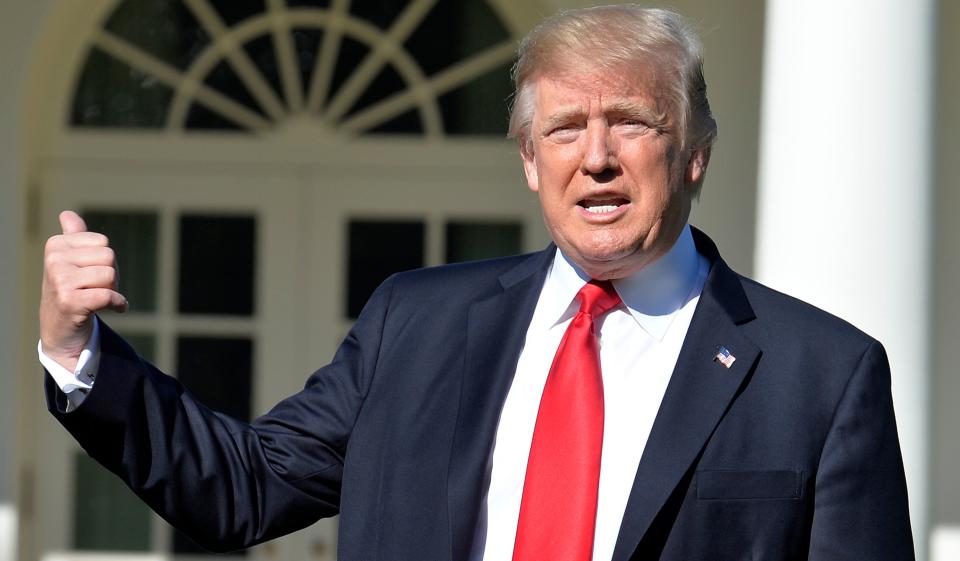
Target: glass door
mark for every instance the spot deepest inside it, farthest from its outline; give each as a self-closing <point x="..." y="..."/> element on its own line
<point x="207" y="259"/>
<point x="243" y="277"/>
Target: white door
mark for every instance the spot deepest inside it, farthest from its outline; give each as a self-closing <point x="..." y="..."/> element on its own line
<point x="229" y="261"/>
<point x="206" y="261"/>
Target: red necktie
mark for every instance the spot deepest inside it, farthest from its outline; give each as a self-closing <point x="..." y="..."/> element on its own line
<point x="558" y="510"/>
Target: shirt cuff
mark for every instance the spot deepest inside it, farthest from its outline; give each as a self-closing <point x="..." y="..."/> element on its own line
<point x="76" y="384"/>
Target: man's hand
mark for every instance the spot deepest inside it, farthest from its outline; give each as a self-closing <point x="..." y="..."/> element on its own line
<point x="79" y="279"/>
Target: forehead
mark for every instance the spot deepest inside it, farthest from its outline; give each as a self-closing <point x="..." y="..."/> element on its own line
<point x="600" y="88"/>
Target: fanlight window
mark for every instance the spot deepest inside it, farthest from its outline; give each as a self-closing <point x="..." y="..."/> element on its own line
<point x="338" y="66"/>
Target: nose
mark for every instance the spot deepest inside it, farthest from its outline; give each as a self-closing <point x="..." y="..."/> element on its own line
<point x="600" y="154"/>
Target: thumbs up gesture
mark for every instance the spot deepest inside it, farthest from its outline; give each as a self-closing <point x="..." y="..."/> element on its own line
<point x="79" y="279"/>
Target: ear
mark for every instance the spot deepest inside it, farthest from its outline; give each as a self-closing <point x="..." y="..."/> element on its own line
<point x="696" y="166"/>
<point x="529" y="164"/>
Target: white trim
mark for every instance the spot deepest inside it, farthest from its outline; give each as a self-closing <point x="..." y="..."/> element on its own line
<point x="8" y="532"/>
<point x="286" y="54"/>
<point x="945" y="543"/>
<point x="103" y="556"/>
<point x="141" y="60"/>
<point x="329" y="50"/>
<point x="238" y="58"/>
<point x="365" y="154"/>
<point x="445" y="80"/>
<point x="351" y="90"/>
<point x="357" y="29"/>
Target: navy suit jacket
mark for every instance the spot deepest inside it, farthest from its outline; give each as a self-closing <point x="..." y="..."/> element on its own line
<point x="789" y="454"/>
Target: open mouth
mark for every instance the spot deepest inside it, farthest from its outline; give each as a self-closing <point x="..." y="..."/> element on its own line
<point x="602" y="206"/>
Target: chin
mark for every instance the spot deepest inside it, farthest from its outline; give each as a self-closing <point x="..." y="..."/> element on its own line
<point x="610" y="265"/>
<point x="610" y="252"/>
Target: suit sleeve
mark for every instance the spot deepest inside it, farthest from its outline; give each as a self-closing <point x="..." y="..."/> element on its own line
<point x="861" y="509"/>
<point x="225" y="483"/>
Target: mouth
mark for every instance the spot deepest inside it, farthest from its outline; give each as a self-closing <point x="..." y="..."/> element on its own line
<point x="603" y="206"/>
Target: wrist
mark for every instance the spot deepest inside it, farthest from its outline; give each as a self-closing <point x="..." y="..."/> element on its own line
<point x="68" y="359"/>
<point x="66" y="351"/>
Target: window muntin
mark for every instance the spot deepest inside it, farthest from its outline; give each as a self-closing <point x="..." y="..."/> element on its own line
<point x="374" y="66"/>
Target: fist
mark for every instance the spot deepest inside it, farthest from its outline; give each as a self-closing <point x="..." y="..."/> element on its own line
<point x="79" y="279"/>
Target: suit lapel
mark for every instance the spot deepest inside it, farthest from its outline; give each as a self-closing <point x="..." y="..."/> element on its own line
<point x="698" y="395"/>
<point x="496" y="330"/>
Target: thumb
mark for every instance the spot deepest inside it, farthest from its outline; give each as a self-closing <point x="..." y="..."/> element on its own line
<point x="118" y="302"/>
<point x="71" y="223"/>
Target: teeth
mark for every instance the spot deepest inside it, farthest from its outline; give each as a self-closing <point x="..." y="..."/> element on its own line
<point x="601" y="209"/>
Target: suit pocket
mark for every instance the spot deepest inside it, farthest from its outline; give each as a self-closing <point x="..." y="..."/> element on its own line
<point x="734" y="484"/>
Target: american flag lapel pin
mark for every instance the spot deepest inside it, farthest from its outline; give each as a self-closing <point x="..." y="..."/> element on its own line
<point x="724" y="357"/>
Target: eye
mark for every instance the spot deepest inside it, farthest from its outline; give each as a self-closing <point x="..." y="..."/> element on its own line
<point x="630" y="122"/>
<point x="631" y="125"/>
<point x="564" y="131"/>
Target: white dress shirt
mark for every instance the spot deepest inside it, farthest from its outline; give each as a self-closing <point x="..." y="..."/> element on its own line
<point x="77" y="384"/>
<point x="639" y="346"/>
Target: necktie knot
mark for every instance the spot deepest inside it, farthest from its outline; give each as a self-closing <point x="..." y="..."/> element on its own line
<point x="597" y="298"/>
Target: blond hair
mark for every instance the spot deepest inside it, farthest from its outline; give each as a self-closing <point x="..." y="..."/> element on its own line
<point x="616" y="39"/>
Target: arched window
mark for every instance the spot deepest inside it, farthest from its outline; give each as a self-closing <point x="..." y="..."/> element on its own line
<point x="334" y="66"/>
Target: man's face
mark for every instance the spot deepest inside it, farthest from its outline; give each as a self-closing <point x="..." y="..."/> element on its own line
<point x="607" y="164"/>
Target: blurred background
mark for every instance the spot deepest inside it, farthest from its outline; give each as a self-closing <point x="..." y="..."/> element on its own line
<point x="260" y="165"/>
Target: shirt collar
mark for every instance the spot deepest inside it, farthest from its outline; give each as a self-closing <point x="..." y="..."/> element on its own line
<point x="652" y="295"/>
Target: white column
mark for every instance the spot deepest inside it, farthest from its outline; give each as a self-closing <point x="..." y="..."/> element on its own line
<point x="945" y="543"/>
<point x="844" y="213"/>
<point x="20" y="24"/>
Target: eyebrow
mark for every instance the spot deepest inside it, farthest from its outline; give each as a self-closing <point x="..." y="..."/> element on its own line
<point x="640" y="110"/>
<point x="560" y="117"/>
<point x="619" y="108"/>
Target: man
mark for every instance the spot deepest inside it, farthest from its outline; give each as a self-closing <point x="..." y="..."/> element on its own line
<point x="466" y="416"/>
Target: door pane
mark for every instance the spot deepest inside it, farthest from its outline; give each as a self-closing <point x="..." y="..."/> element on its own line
<point x="113" y="94"/>
<point x="465" y="28"/>
<point x="217" y="264"/>
<point x="218" y="372"/>
<point x="144" y="343"/>
<point x="377" y="250"/>
<point x="107" y="516"/>
<point x="167" y="30"/>
<point x="482" y="240"/>
<point x="133" y="237"/>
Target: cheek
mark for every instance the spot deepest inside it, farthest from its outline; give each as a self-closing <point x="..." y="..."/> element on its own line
<point x="557" y="164"/>
<point x="659" y="177"/>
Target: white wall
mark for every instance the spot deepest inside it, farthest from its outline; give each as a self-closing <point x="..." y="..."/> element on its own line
<point x="732" y="33"/>
<point x="945" y="413"/>
<point x="10" y="216"/>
